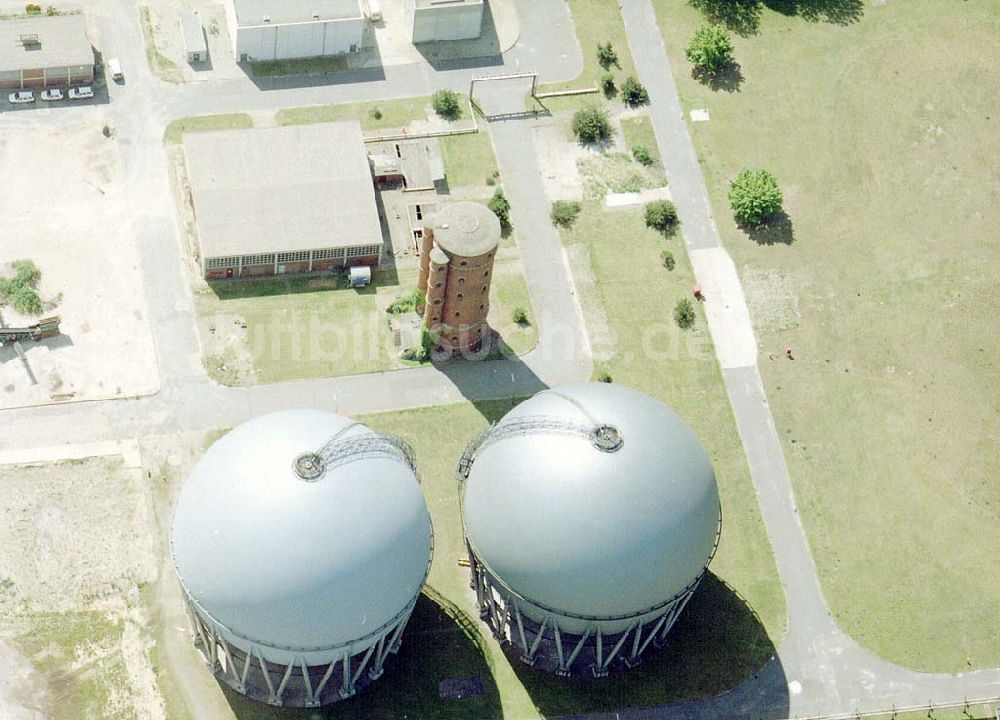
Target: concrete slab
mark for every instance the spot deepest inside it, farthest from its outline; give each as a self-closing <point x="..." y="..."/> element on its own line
<point x="725" y="307"/>
<point x="616" y="200"/>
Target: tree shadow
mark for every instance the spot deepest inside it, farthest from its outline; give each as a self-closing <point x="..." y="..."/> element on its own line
<point x="740" y="16"/>
<point x="743" y="16"/>
<point x="440" y="643"/>
<point x="728" y="79"/>
<point x="838" y="12"/>
<point x="718" y="645"/>
<point x="776" y="230"/>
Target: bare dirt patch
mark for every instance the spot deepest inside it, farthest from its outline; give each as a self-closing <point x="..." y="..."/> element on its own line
<point x="75" y="548"/>
<point x="72" y="220"/>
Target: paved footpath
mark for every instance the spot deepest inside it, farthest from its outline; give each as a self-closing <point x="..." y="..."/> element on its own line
<point x="818" y="669"/>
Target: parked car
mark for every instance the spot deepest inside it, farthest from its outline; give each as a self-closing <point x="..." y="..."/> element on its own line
<point x="21" y="96"/>
<point x="115" y="69"/>
<point x="80" y="93"/>
<point x="52" y="94"/>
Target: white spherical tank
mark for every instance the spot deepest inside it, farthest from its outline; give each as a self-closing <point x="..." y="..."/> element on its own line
<point x="591" y="513"/>
<point x="302" y="541"/>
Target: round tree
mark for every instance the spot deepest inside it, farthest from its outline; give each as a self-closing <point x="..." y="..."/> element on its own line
<point x="661" y="215"/>
<point x="445" y="103"/>
<point x="591" y="124"/>
<point x="710" y="49"/>
<point x="754" y="196"/>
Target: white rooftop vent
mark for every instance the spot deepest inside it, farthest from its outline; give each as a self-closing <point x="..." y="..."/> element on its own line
<point x="267" y="18"/>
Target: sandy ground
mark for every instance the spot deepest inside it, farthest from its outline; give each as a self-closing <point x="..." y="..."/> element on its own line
<point x="558" y="157"/>
<point x="75" y="548"/>
<point x="64" y="206"/>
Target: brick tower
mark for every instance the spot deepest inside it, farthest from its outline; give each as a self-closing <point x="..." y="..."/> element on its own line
<point x="456" y="267"/>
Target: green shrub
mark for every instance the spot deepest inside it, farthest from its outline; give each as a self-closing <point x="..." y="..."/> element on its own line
<point x="606" y="56"/>
<point x="564" y="212"/>
<point x="710" y="50"/>
<point x="608" y="86"/>
<point x="501" y="208"/>
<point x="591" y="124"/>
<point x="520" y="316"/>
<point x="754" y="196"/>
<point x="406" y="304"/>
<point x="604" y="376"/>
<point x="684" y="313"/>
<point x="634" y="92"/>
<point x="641" y="155"/>
<point x="661" y="215"/>
<point x="20" y="291"/>
<point x="445" y="104"/>
<point x="33" y="9"/>
<point x="375" y="112"/>
<point x="668" y="259"/>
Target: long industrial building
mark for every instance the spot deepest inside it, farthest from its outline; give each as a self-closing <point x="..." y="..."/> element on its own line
<point x="271" y="201"/>
<point x="45" y="51"/>
<point x="263" y="30"/>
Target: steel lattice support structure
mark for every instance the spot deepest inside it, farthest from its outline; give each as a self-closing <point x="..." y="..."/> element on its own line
<point x="553" y="640"/>
<point x="285" y="677"/>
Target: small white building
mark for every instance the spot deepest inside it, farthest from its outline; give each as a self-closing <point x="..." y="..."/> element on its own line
<point x="264" y="30"/>
<point x="194" y="36"/>
<point x="437" y="20"/>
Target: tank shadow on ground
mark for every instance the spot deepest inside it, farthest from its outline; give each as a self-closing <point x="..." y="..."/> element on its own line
<point x="439" y="643"/>
<point x="717" y="644"/>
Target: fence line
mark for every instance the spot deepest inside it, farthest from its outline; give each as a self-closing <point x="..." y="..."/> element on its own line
<point x="565" y="93"/>
<point x="420" y="135"/>
<point x="927" y="707"/>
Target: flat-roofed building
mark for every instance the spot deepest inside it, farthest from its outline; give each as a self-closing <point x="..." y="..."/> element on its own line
<point x="263" y="30"/>
<point x="193" y="33"/>
<point x="45" y="51"/>
<point x="292" y="199"/>
<point x="437" y="20"/>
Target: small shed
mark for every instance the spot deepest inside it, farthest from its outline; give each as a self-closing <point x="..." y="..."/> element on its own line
<point x="194" y="36"/>
<point x="360" y="276"/>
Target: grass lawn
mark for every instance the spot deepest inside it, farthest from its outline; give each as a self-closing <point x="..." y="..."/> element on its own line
<point x="162" y="66"/>
<point x="174" y="133"/>
<point x="468" y="159"/>
<point x="639" y="131"/>
<point x="299" y="66"/>
<point x="380" y="115"/>
<point x="508" y="291"/>
<point x="882" y="134"/>
<point x="302" y="327"/>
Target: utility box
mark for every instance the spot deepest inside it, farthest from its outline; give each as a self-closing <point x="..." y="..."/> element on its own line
<point x="360" y="276"/>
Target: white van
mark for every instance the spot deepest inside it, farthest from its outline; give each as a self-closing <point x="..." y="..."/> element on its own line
<point x="115" y="69"/>
<point x="374" y="11"/>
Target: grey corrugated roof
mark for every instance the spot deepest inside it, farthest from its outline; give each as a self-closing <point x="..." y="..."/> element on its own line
<point x="282" y="189"/>
<point x="300" y="564"/>
<point x="466" y="229"/>
<point x="252" y="12"/>
<point x="62" y="40"/>
<point x="192" y="31"/>
<point x="587" y="532"/>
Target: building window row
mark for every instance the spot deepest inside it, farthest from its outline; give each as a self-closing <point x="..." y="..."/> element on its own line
<point x="264" y="259"/>
<point x="293" y="256"/>
<point x="223" y="262"/>
<point x="363" y="250"/>
<point x="328" y="254"/>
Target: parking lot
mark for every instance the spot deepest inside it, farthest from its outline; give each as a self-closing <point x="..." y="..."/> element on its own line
<point x="64" y="207"/>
